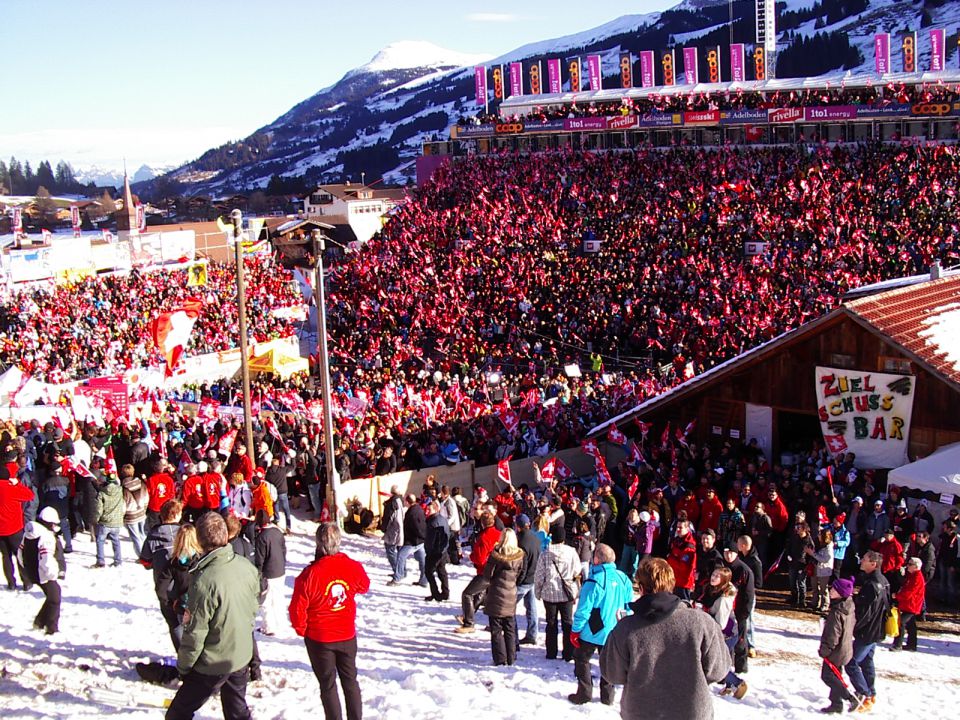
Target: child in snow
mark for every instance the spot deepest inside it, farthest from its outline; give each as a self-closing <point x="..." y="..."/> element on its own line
<point x="823" y="572"/>
<point x="42" y="563"/>
<point x="718" y="597"/>
<point x="836" y="646"/>
<point x="270" y="554"/>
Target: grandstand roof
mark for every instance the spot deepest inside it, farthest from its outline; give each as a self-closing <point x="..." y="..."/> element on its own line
<point x="922" y="320"/>
<point x="840" y="79"/>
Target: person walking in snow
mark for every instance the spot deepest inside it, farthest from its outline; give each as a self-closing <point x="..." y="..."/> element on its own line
<point x="41" y="561"/>
<point x="501" y="572"/>
<point x="719" y="601"/>
<point x="270" y="557"/>
<point x="836" y="645"/>
<point x="111" y="509"/>
<point x="323" y="611"/>
<point x="13" y="496"/>
<point x="910" y="599"/>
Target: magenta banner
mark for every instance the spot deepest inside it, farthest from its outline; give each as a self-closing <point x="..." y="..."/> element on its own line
<point x="593" y="70"/>
<point x="553" y="75"/>
<point x="646" y="69"/>
<point x="737" y="63"/>
<point x="831" y="112"/>
<point x="587" y="123"/>
<point x="480" y="84"/>
<point x="938" y="50"/>
<point x="690" y="66"/>
<point x="881" y="53"/>
<point x="516" y="79"/>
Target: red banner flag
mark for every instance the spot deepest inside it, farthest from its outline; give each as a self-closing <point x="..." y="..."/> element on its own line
<point x="616" y="437"/>
<point x="503" y="470"/>
<point x="225" y="447"/>
<point x="171" y="332"/>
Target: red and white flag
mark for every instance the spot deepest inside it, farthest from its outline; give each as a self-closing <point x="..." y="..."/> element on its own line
<point x="207" y="412"/>
<point x="271" y="427"/>
<point x="226" y="443"/>
<point x="548" y="471"/>
<point x="562" y="470"/>
<point x="503" y="470"/>
<point x="616" y="437"/>
<point x="171" y="332"/>
<point x="591" y="449"/>
<point x="603" y="475"/>
<point x="644" y="427"/>
<point x="110" y="464"/>
<point x="633" y="455"/>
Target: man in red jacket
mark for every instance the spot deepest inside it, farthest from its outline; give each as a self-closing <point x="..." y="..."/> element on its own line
<point x="323" y="612"/>
<point x="476" y="589"/>
<point x="12" y="497"/>
<point x="910" y="602"/>
<point x="161" y="487"/>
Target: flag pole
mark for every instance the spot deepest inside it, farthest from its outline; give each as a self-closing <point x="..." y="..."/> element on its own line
<point x="237" y="218"/>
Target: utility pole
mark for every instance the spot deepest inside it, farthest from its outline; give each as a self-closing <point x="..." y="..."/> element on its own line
<point x="237" y="218"/>
<point x="323" y="363"/>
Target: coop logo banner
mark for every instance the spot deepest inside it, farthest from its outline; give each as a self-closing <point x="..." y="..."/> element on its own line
<point x="866" y="413"/>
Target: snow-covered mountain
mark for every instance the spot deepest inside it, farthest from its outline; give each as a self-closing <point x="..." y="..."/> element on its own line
<point x="376" y="117"/>
<point x="104" y="177"/>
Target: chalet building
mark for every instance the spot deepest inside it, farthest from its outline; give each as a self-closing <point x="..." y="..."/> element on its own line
<point x="908" y="327"/>
<point x="362" y="206"/>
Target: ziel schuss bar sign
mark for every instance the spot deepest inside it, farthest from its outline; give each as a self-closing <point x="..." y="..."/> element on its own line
<point x="867" y="414"/>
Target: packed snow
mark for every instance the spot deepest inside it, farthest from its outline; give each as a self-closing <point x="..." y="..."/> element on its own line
<point x="411" y="663"/>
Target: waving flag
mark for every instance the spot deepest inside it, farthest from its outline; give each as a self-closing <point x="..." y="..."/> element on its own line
<point x="633" y="455"/>
<point x="603" y="475"/>
<point x="616" y="437"/>
<point x="271" y="427"/>
<point x="590" y="448"/>
<point x="644" y="427"/>
<point x="503" y="470"/>
<point x="548" y="471"/>
<point x="562" y="470"/>
<point x="171" y="332"/>
<point x="225" y="446"/>
<point x="110" y="464"/>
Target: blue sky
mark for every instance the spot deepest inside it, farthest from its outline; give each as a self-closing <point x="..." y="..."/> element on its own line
<point x="160" y="82"/>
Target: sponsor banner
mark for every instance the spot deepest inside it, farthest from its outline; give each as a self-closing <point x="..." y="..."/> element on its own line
<point x="785" y="115"/>
<point x="497" y="82"/>
<point x="508" y="128"/>
<point x="755" y="248"/>
<point x="908" y="50"/>
<point x="881" y="53"/>
<point x="647" y="77"/>
<point x="759" y="63"/>
<point x="713" y="64"/>
<point x="480" y="84"/>
<point x="691" y="75"/>
<point x="738" y="63"/>
<point x="867" y="413"/>
<point x="830" y="112"/>
<point x="938" y="50"/>
<point x="587" y="123"/>
<point x="573" y="67"/>
<point x="740" y="117"/>
<point x="546" y="126"/>
<point x="475" y="130"/>
<point x="660" y="119"/>
<point x="932" y="109"/>
<point x="535" y="88"/>
<point x="17" y="220"/>
<point x="866" y="111"/>
<point x="516" y="79"/>
<point x="626" y="70"/>
<point x="75" y="220"/>
<point x="595" y="72"/>
<point x="701" y="117"/>
<point x="622" y="123"/>
<point x="669" y="63"/>
<point x="553" y="76"/>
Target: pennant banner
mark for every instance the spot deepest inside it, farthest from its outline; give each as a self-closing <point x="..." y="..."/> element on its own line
<point x="647" y="78"/>
<point x="17" y="220"/>
<point x="626" y="70"/>
<point x="535" y="88"/>
<point x="516" y="79"/>
<point x="594" y="70"/>
<point x="691" y="75"/>
<point x="553" y="75"/>
<point x="938" y="50"/>
<point x="713" y="64"/>
<point x="75" y="220"/>
<point x="480" y="85"/>
<point x="669" y="63"/>
<point x="574" y="69"/>
<point x="738" y="63"/>
<point x="908" y="49"/>
<point x="498" y="82"/>
<point x="881" y="53"/>
<point x="866" y="413"/>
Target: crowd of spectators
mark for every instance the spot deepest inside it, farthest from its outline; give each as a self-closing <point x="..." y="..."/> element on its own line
<point x="738" y="99"/>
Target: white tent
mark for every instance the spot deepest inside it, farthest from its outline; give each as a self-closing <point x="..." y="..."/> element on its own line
<point x="937" y="473"/>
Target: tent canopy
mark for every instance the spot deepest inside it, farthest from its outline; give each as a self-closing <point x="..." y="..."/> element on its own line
<point x="937" y="473"/>
<point x="279" y="363"/>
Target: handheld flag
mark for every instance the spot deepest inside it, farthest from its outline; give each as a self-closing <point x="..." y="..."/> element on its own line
<point x="171" y="332"/>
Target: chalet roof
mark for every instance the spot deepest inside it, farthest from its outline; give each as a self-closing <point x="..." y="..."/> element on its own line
<point x="348" y="191"/>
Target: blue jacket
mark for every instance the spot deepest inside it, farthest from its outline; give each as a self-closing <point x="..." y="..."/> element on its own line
<point x="607" y="589"/>
<point x="841" y="540"/>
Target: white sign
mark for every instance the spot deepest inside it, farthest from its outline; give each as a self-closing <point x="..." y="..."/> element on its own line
<point x="755" y="248"/>
<point x="946" y="498"/>
<point x="866" y="413"/>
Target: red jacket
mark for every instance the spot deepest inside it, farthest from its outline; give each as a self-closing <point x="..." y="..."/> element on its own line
<point x="482" y="548"/>
<point x="892" y="552"/>
<point x="778" y="514"/>
<point x="193" y="492"/>
<point x="910" y="596"/>
<point x="161" y="487"/>
<point x="240" y="464"/>
<point x="12" y="497"/>
<point x="212" y="484"/>
<point x="691" y="506"/>
<point x="323" y="607"/>
<point x="506" y="508"/>
<point x="710" y="514"/>
<point x="683" y="560"/>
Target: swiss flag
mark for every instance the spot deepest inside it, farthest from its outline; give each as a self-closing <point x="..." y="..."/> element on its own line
<point x="226" y="443"/>
<point x="590" y="448"/>
<point x="633" y="455"/>
<point x="616" y="437"/>
<point x="171" y="332"/>
<point x="835" y="444"/>
<point x="644" y="427"/>
<point x="548" y="471"/>
<point x="503" y="470"/>
<point x="603" y="475"/>
<point x="562" y="470"/>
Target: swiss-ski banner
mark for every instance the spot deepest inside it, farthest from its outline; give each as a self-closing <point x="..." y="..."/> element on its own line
<point x="647" y="73"/>
<point x="516" y="79"/>
<point x="480" y="85"/>
<point x="738" y="63"/>
<point x="938" y="49"/>
<point x="626" y="70"/>
<point x="881" y="53"/>
<point x="553" y="76"/>
<point x="691" y="66"/>
<point x="595" y="73"/>
<point x="867" y="413"/>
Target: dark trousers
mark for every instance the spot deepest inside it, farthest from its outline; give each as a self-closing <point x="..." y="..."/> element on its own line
<point x="838" y="691"/>
<point x="48" y="618"/>
<point x="908" y="626"/>
<point x="581" y="666"/>
<point x="328" y="661"/>
<point x="472" y="598"/>
<point x="861" y="670"/>
<point x="453" y="548"/>
<point x="503" y="640"/>
<point x="174" y="624"/>
<point x="565" y="612"/>
<point x="8" y="549"/>
<point x="197" y="688"/>
<point x="436" y="567"/>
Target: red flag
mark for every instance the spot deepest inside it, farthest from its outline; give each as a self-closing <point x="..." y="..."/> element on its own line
<point x="633" y="455"/>
<point x="590" y="448"/>
<point x="633" y="486"/>
<point x="603" y="475"/>
<point x="616" y="437"/>
<point x="171" y="332"/>
<point x="644" y="427"/>
<point x="562" y="470"/>
<point x="689" y="428"/>
<point x="207" y="412"/>
<point x="548" y="471"/>
<point x="110" y="465"/>
<point x="503" y="470"/>
<point x="226" y="443"/>
<point x="836" y="444"/>
<point x="271" y="427"/>
<point x="665" y="438"/>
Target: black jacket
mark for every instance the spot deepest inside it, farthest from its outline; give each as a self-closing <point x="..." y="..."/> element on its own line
<point x="270" y="552"/>
<point x="872" y="604"/>
<point x="243" y="547"/>
<point x="277" y="476"/>
<point x="530" y="544"/>
<point x="707" y="562"/>
<point x="414" y="525"/>
<point x="438" y="536"/>
<point x="156" y="552"/>
<point x="752" y="561"/>
<point x="746" y="593"/>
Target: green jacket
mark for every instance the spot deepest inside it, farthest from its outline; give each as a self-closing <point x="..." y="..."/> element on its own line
<point x="110" y="504"/>
<point x="223" y="602"/>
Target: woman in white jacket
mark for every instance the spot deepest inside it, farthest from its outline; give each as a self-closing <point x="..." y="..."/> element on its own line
<point x="42" y="563"/>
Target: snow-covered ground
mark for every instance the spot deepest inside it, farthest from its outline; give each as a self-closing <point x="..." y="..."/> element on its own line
<point x="412" y="665"/>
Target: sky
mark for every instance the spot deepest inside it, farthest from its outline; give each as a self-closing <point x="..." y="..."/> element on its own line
<point x="159" y="83"/>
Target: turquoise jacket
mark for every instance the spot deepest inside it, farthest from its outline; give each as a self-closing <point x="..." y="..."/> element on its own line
<point x="607" y="589"/>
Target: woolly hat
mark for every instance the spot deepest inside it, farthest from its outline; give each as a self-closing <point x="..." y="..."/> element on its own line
<point x="843" y="586"/>
<point x="523" y="521"/>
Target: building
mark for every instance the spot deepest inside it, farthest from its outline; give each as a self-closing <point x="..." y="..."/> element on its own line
<point x="907" y="327"/>
<point x="363" y="207"/>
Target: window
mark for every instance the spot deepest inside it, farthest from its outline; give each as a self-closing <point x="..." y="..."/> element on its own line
<point x="894" y="365"/>
<point x="840" y="360"/>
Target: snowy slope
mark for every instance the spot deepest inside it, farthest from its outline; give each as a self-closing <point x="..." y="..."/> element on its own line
<point x="416" y="54"/>
<point x="412" y="665"/>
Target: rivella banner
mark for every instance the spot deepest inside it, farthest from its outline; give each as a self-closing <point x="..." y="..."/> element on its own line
<point x="867" y="413"/>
